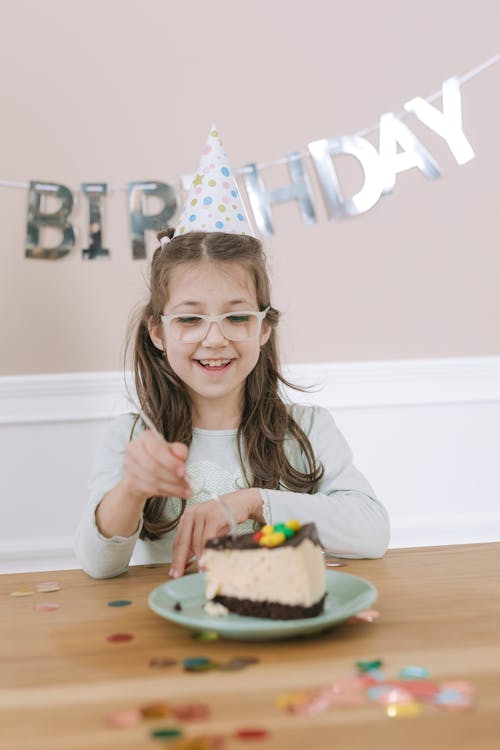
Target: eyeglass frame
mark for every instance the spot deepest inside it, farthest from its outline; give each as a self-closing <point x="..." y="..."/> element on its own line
<point x="260" y="314"/>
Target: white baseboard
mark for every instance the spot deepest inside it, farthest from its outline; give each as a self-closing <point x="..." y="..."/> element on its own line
<point x="425" y="432"/>
<point x="27" y="555"/>
<point x="74" y="397"/>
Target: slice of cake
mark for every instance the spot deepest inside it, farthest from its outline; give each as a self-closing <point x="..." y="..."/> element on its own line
<point x="279" y="572"/>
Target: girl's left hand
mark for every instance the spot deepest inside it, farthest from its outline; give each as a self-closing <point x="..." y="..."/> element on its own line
<point x="205" y="520"/>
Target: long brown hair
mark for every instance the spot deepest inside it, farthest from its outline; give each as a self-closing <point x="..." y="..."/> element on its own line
<point x="265" y="420"/>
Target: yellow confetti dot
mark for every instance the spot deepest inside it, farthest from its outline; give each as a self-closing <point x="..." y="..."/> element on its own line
<point x="22" y="592"/>
<point x="212" y="183"/>
<point x="290" y="699"/>
<point x="214" y="133"/>
<point x="221" y="207"/>
<point x="404" y="710"/>
<point x="293" y="524"/>
<point x="194" y="201"/>
<point x="267" y="529"/>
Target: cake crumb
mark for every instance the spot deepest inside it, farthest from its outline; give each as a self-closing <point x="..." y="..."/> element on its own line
<point x="214" y="609"/>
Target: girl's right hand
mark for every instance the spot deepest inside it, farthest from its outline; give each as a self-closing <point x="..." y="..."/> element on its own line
<point x="154" y="468"/>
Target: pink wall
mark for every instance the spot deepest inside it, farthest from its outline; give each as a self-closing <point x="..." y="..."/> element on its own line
<point x="118" y="91"/>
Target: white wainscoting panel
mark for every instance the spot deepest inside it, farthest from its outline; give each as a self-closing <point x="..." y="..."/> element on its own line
<point x="426" y="433"/>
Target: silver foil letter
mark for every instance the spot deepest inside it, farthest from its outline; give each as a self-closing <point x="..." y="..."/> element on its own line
<point x="414" y="154"/>
<point x="140" y="220"/>
<point x="448" y="123"/>
<point x="94" y="191"/>
<point x="261" y="199"/>
<point x="337" y="206"/>
<point x="38" y="194"/>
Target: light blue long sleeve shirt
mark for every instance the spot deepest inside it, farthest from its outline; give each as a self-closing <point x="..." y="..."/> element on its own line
<point x="351" y="521"/>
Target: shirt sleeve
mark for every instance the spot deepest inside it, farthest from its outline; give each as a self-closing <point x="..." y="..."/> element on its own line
<point x="351" y="521"/>
<point x="100" y="556"/>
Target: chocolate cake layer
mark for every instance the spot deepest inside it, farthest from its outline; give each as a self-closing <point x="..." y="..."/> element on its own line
<point x="269" y="610"/>
<point x="246" y="541"/>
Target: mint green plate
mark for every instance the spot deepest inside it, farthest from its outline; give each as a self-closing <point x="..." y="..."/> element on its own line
<point x="346" y="596"/>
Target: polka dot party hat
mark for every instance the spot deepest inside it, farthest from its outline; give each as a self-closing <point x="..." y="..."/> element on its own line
<point x="214" y="203"/>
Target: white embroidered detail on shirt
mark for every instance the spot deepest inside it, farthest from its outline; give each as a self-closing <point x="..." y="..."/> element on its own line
<point x="266" y="507"/>
<point x="207" y="478"/>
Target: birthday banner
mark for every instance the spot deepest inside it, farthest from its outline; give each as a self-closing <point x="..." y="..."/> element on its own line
<point x="398" y="150"/>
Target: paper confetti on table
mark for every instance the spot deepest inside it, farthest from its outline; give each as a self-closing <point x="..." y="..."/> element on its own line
<point x="158" y="710"/>
<point x="46" y="606"/>
<point x="119" y="637"/>
<point x="162" y="662"/>
<point x="22" y="592"/>
<point x="48" y="587"/>
<point x="191" y="712"/>
<point x="251" y="733"/>
<point x="403" y="697"/>
<point x="205" y="635"/>
<point x="367" y="615"/>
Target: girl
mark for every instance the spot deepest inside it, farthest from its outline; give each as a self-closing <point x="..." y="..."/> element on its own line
<point x="207" y="376"/>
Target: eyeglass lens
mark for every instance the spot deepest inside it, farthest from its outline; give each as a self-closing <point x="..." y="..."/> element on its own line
<point x="192" y="328"/>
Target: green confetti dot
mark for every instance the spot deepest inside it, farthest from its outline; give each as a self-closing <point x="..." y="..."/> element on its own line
<point x="194" y="201"/>
<point x="182" y="230"/>
<point x="166" y="733"/>
<point x="368" y="666"/>
<point x="205" y="635"/>
<point x="214" y="133"/>
<point x="212" y="183"/>
<point x="221" y="207"/>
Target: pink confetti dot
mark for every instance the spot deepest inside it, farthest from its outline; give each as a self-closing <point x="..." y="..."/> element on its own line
<point x="125" y="719"/>
<point x="46" y="607"/>
<point x="207" y="149"/>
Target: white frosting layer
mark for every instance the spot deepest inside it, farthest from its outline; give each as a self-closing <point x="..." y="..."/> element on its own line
<point x="288" y="575"/>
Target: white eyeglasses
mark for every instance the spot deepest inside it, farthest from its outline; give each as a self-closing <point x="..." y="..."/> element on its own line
<point x="234" y="326"/>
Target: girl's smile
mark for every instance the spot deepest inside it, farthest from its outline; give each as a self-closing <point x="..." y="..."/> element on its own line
<point x="214" y="365"/>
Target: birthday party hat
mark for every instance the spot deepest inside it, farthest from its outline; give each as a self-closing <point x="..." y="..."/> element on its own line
<point x="214" y="203"/>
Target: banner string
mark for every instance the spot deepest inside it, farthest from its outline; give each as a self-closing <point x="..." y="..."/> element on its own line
<point x="361" y="133"/>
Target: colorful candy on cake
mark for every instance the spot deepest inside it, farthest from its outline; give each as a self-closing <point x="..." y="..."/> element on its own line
<point x="278" y="572"/>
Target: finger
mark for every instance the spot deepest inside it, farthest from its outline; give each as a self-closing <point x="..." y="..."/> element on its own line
<point x="152" y="481"/>
<point x="198" y="536"/>
<point x="161" y="468"/>
<point x="179" y="450"/>
<point x="160" y="451"/>
<point x="211" y="530"/>
<point x="182" y="545"/>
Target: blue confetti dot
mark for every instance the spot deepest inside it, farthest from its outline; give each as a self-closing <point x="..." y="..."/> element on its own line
<point x="414" y="673"/>
<point x="240" y="217"/>
<point x="225" y="171"/>
<point x="208" y="200"/>
<point x="192" y="217"/>
<point x="234" y="193"/>
<point x="447" y="697"/>
<point x="219" y="224"/>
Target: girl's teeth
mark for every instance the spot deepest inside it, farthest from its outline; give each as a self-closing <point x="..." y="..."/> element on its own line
<point x="214" y="362"/>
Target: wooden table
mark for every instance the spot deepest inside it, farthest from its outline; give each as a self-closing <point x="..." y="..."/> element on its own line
<point x="60" y="677"/>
